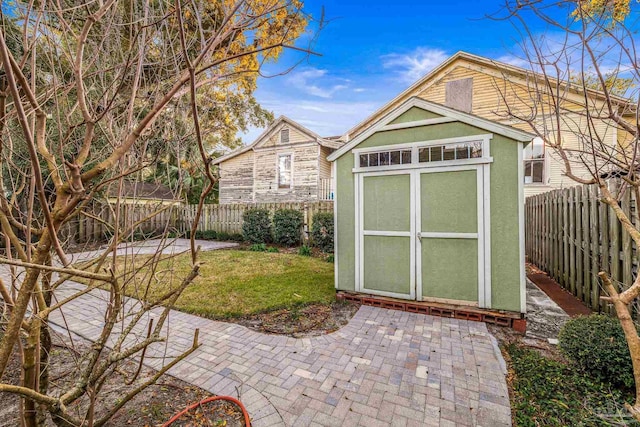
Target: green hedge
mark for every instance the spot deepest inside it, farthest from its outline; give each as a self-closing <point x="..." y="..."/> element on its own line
<point x="596" y="344"/>
<point x="256" y="227"/>
<point x="322" y="232"/>
<point x="287" y="227"/>
<point x="549" y="392"/>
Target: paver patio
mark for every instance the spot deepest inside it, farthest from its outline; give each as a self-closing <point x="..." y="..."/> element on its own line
<point x="384" y="368"/>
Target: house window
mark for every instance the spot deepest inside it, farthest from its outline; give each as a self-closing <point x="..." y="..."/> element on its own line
<point x="284" y="136"/>
<point x="534" y="162"/>
<point x="284" y="171"/>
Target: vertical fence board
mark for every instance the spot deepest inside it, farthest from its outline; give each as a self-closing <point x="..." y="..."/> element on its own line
<point x="579" y="250"/>
<point x="594" y="247"/>
<point x="627" y="250"/>
<point x="586" y="253"/>
<point x="565" y="240"/>
<point x="572" y="240"/>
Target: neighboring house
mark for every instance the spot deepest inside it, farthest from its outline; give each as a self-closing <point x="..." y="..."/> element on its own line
<point x="480" y="86"/>
<point x="141" y="193"/>
<point x="287" y="163"/>
<point x="430" y="207"/>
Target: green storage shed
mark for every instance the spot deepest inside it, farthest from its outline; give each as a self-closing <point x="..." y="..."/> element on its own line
<point x="429" y="206"/>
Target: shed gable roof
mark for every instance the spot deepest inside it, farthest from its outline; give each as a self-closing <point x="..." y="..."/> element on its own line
<point x="446" y="115"/>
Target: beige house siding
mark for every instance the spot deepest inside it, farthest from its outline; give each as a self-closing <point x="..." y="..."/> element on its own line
<point x="324" y="166"/>
<point x="236" y="179"/>
<point x="492" y="91"/>
<point x="295" y="137"/>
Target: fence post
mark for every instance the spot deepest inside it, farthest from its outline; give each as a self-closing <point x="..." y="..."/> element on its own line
<point x="594" y="245"/>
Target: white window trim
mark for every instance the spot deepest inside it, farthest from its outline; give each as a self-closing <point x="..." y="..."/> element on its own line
<point x="415" y="146"/>
<point x="278" y="155"/>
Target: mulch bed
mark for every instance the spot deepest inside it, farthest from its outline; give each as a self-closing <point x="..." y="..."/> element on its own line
<point x="152" y="407"/>
<point x="310" y="320"/>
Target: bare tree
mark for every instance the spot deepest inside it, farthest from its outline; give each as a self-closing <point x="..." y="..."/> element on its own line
<point x="83" y="86"/>
<point x="581" y="97"/>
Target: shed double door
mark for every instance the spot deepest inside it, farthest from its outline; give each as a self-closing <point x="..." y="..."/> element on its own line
<point x="422" y="234"/>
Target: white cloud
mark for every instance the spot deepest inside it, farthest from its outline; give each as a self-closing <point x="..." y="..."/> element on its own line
<point x="313" y="82"/>
<point x="359" y="90"/>
<point x="414" y="65"/>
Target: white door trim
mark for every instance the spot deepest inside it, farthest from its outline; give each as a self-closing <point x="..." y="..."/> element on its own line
<point x="361" y="232"/>
<point x="482" y="234"/>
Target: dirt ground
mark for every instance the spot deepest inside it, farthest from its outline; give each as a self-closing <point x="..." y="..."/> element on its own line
<point x="152" y="407"/>
<point x="307" y="321"/>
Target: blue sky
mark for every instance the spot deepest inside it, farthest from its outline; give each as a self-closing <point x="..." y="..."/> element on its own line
<point x="373" y="50"/>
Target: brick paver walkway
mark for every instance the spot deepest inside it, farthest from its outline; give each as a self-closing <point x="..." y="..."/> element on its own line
<point x="385" y="368"/>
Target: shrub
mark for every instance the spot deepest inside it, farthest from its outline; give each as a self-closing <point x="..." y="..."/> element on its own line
<point x="258" y="247"/>
<point x="206" y="235"/>
<point x="322" y="232"/>
<point x="596" y="344"/>
<point x="331" y="259"/>
<point x="230" y="237"/>
<point x="273" y="250"/>
<point x="548" y="392"/>
<point x="304" y="250"/>
<point x="287" y="227"/>
<point x="256" y="227"/>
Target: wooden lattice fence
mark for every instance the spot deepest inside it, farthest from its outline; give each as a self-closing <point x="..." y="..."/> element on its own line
<point x="572" y="236"/>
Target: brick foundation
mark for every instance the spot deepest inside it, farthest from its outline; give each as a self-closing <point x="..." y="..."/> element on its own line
<point x="505" y="319"/>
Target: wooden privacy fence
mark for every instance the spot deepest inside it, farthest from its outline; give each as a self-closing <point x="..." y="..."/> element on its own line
<point x="96" y="224"/>
<point x="228" y="218"/>
<point x="147" y="220"/>
<point x="572" y="236"/>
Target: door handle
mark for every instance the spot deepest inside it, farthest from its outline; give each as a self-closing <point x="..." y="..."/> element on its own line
<point x="419" y="235"/>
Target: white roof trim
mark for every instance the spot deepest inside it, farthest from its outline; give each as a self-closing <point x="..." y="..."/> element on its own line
<point x="459" y="116"/>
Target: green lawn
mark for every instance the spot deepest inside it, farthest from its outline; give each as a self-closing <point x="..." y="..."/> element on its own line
<point x="235" y="283"/>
